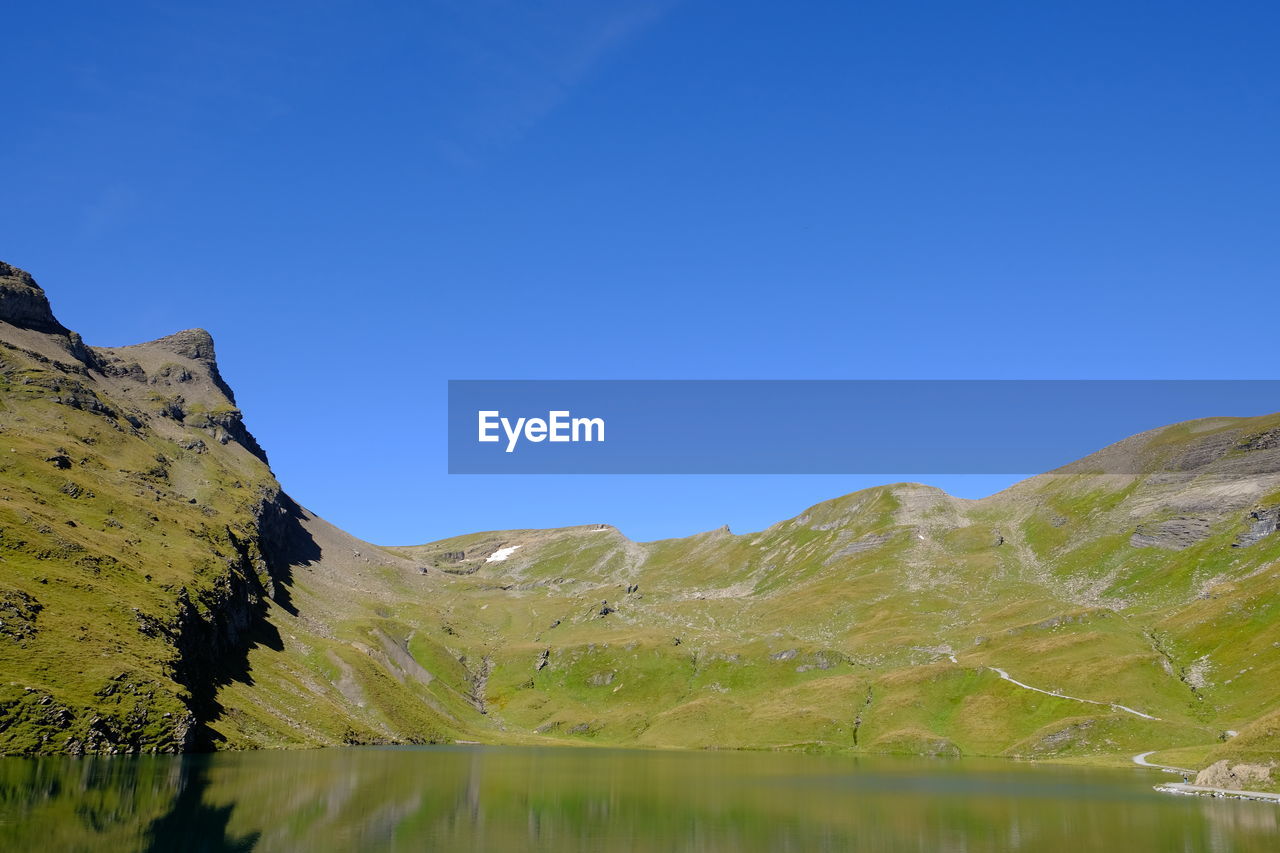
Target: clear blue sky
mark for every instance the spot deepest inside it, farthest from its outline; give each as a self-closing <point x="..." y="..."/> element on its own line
<point x="363" y="200"/>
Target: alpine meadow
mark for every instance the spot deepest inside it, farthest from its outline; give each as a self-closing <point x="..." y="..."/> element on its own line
<point x="160" y="592"/>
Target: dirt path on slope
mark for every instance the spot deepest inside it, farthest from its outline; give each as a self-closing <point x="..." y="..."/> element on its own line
<point x="1112" y="705"/>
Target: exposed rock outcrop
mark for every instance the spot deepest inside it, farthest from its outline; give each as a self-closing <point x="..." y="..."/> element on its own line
<point x="1262" y="523"/>
<point x="197" y="345"/>
<point x="18" y="613"/>
<point x="1173" y="534"/>
<point x="23" y="302"/>
<point x="867" y="543"/>
<point x="1235" y="777"/>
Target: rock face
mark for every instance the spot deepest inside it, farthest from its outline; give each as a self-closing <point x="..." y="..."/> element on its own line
<point x="1237" y="777"/>
<point x="1262" y="523"/>
<point x="23" y="302"/>
<point x="178" y="375"/>
<point x="867" y="543"/>
<point x="1175" y="534"/>
<point x="197" y="345"/>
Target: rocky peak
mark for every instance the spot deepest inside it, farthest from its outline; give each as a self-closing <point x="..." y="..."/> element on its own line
<point x="174" y="377"/>
<point x="23" y="302"/>
<point x="154" y="360"/>
<point x="195" y="344"/>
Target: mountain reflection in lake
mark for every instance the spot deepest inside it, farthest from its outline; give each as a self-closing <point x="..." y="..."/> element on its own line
<point x="508" y="798"/>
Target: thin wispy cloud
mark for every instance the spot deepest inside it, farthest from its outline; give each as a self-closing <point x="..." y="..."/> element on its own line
<point x="520" y="63"/>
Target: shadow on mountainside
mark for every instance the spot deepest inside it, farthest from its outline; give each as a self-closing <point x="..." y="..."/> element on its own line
<point x="286" y="543"/>
<point x="215" y="640"/>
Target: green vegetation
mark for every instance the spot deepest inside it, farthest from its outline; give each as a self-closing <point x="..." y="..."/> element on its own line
<point x="158" y="592"/>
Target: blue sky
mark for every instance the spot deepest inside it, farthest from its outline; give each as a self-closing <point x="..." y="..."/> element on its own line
<point x="362" y="201"/>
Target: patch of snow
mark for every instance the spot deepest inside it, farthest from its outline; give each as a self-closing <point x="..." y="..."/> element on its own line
<point x="501" y="554"/>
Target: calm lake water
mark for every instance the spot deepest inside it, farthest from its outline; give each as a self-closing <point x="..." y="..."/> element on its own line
<point x="502" y="798"/>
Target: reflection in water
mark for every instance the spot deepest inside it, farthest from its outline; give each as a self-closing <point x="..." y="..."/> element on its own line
<point x="116" y="803"/>
<point x="191" y="823"/>
<point x="477" y="798"/>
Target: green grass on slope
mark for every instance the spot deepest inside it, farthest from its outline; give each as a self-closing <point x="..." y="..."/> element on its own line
<point x="869" y="623"/>
<point x="111" y="517"/>
<point x="99" y="550"/>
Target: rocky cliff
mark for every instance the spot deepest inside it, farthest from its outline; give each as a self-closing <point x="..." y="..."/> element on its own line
<point x="23" y="303"/>
<point x="142" y="533"/>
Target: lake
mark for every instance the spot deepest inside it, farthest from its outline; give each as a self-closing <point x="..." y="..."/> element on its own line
<point x="566" y="799"/>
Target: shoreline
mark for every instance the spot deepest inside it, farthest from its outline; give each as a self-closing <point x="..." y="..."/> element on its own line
<point x="1187" y="789"/>
<point x="1177" y="788"/>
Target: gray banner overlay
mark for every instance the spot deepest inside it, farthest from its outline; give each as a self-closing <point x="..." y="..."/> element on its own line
<point x="891" y="427"/>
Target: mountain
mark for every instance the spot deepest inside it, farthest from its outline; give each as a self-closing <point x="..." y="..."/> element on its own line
<point x="160" y="592"/>
<point x="147" y="551"/>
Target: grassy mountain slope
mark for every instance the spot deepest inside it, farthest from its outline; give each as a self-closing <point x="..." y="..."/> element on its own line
<point x="193" y="605"/>
<point x="148" y="560"/>
<point x="879" y="621"/>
